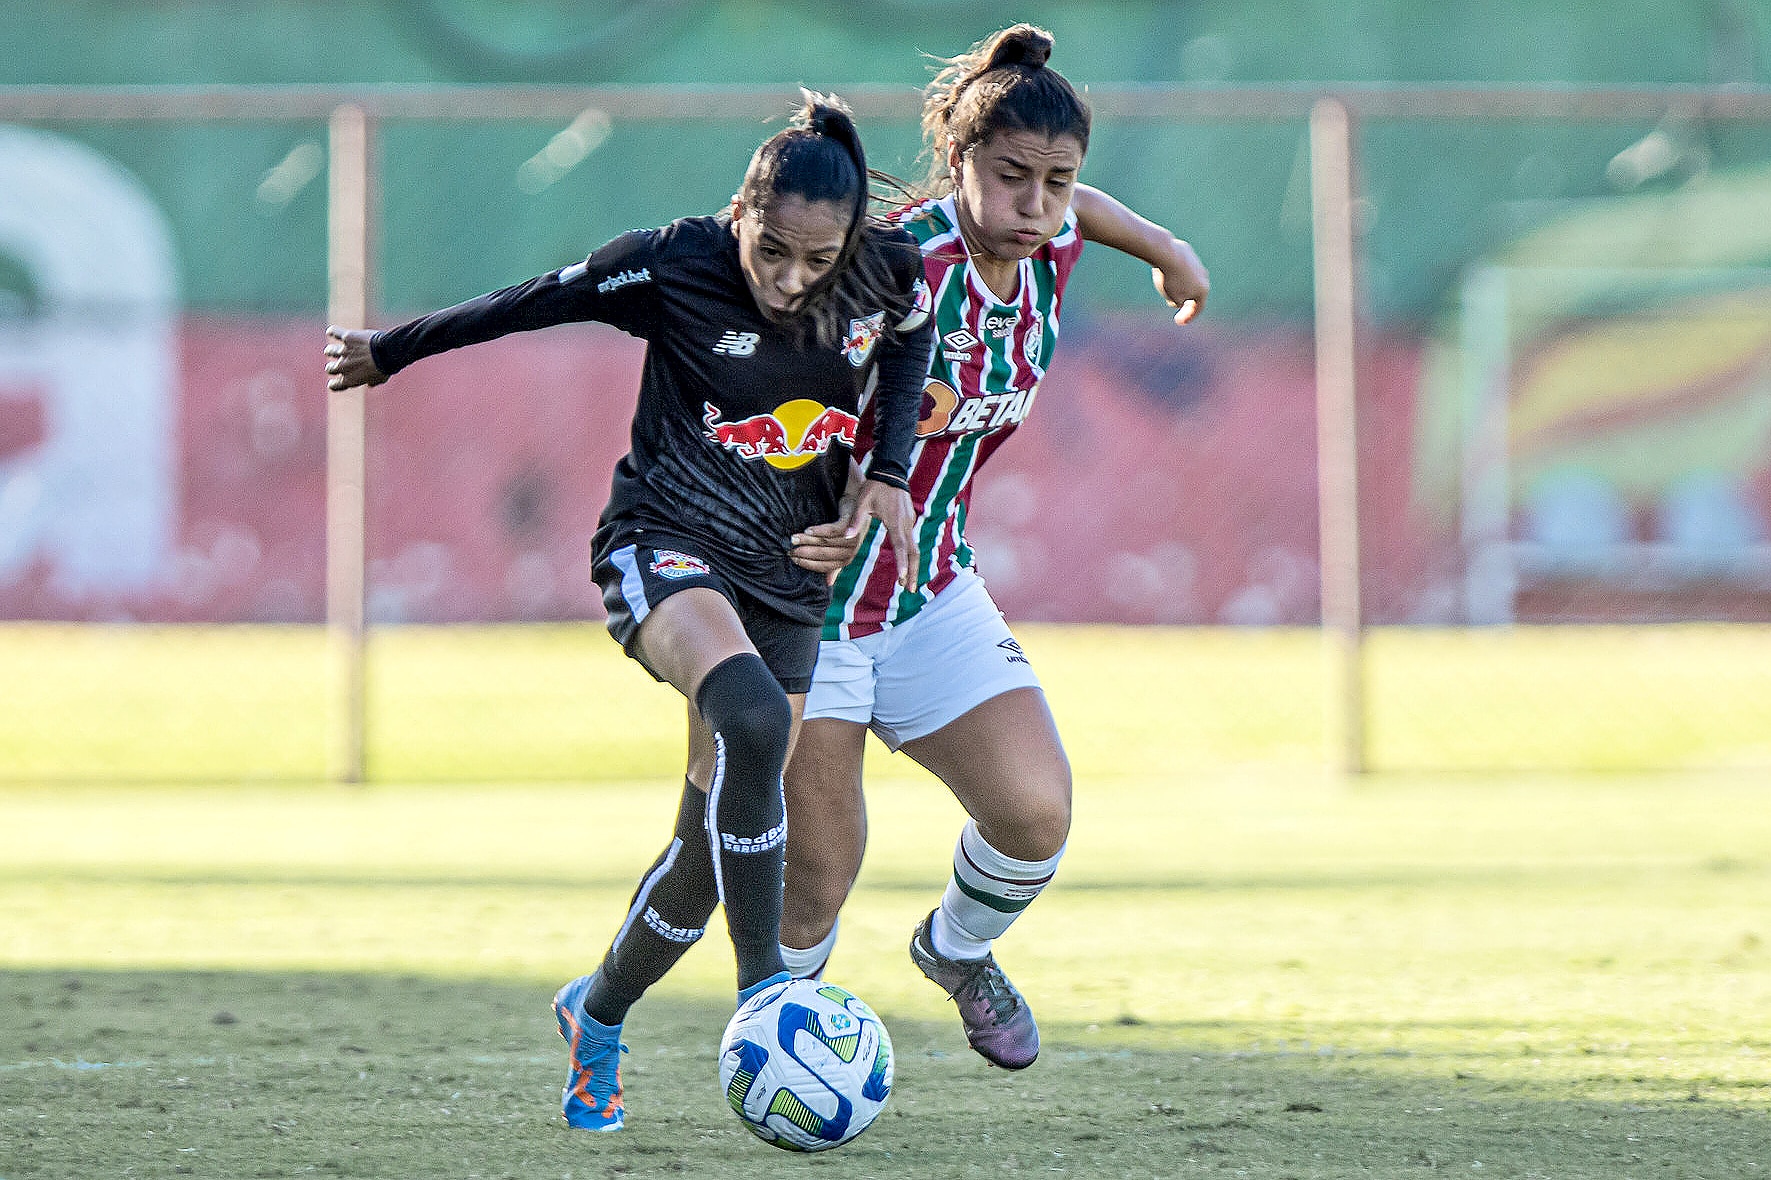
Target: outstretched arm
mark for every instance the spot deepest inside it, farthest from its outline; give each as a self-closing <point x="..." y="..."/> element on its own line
<point x="1179" y="276"/>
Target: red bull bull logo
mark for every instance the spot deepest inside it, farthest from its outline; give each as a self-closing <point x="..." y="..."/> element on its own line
<point x="793" y="435"/>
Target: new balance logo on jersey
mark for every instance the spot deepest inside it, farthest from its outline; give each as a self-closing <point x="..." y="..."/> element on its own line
<point x="1015" y="654"/>
<point x="625" y="279"/>
<point x="737" y="344"/>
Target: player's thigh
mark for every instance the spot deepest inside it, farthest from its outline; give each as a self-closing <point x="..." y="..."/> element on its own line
<point x="1004" y="762"/>
<point x="689" y="634"/>
<point x="951" y="657"/>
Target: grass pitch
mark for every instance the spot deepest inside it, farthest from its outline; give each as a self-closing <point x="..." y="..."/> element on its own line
<point x="1243" y="968"/>
<point x="562" y="702"/>
<point x="1263" y="975"/>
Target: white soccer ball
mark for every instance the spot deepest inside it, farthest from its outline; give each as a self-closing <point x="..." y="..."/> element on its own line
<point x="806" y="1065"/>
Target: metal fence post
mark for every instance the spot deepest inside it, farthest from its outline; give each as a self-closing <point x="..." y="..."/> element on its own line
<point x="1337" y="427"/>
<point x="347" y="305"/>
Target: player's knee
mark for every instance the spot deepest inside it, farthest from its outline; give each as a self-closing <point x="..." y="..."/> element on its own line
<point x="1036" y="828"/>
<point x="1046" y="829"/>
<point x="746" y="708"/>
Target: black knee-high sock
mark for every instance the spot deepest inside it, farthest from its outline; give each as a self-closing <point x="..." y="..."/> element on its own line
<point x="745" y="707"/>
<point x="668" y="915"/>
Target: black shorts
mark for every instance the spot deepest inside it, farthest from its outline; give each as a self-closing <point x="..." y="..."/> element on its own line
<point x="636" y="573"/>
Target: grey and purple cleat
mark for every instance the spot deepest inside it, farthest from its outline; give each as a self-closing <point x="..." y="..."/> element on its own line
<point x="998" y="1023"/>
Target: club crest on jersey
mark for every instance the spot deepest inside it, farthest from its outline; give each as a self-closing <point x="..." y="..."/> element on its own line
<point x="1035" y="337"/>
<point x="922" y="304"/>
<point x="863" y="335"/>
<point x="668" y="563"/>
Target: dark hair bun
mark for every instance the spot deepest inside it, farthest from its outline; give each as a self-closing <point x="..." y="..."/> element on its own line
<point x="832" y="121"/>
<point x="1022" y="45"/>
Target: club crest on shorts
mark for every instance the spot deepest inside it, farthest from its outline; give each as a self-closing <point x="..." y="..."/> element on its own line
<point x="668" y="563"/>
<point x="863" y="335"/>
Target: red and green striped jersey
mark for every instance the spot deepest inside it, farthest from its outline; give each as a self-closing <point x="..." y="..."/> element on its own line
<point x="989" y="358"/>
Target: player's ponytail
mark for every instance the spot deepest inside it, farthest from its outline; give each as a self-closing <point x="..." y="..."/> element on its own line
<point x="819" y="157"/>
<point x="1000" y="84"/>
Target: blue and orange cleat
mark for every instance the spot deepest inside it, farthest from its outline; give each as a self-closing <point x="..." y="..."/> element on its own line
<point x="592" y="1097"/>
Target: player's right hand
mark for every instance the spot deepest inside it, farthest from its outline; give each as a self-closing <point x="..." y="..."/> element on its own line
<point x="1182" y="281"/>
<point x="349" y="360"/>
<point x="826" y="548"/>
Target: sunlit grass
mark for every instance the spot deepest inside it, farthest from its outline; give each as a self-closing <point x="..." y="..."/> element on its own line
<point x="562" y="702"/>
<point x="1264" y="970"/>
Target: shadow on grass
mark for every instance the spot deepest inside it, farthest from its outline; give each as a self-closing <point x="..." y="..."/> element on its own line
<point x="1432" y="877"/>
<point x="261" y="1075"/>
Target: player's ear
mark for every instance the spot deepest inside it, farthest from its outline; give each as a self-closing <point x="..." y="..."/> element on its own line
<point x="954" y="158"/>
<point x="737" y="211"/>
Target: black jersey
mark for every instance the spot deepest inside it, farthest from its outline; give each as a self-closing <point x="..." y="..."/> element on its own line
<point x="742" y="433"/>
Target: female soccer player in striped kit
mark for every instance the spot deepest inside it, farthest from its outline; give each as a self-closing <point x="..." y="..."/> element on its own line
<point x="932" y="668"/>
<point x="763" y="329"/>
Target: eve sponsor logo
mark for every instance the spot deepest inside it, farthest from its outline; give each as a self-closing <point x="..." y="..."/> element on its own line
<point x="999" y="325"/>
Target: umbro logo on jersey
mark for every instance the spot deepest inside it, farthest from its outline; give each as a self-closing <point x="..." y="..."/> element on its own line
<point x="737" y="344"/>
<point x="1015" y="654"/>
<point x="956" y="346"/>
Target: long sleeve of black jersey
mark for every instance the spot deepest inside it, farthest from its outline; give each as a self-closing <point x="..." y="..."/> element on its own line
<point x="903" y="367"/>
<point x="614" y="286"/>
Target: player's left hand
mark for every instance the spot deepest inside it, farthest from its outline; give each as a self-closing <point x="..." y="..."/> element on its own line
<point x="892" y="508"/>
<point x="1182" y="281"/>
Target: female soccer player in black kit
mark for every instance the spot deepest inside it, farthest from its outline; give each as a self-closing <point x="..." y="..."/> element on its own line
<point x="763" y="325"/>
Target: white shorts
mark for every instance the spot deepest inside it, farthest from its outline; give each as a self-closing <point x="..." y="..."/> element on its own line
<point x="912" y="679"/>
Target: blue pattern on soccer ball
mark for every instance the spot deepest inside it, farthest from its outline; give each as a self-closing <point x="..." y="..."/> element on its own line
<point x="806" y="1066"/>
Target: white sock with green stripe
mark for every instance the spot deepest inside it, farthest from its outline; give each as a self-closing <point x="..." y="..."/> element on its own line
<point x="987" y="893"/>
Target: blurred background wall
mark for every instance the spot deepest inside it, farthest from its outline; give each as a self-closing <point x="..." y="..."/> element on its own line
<point x="162" y="294"/>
